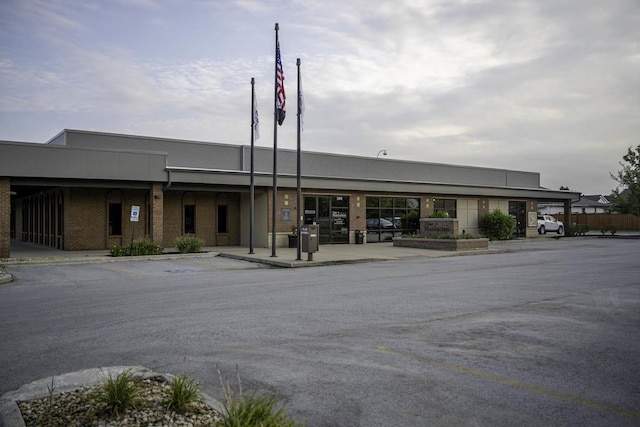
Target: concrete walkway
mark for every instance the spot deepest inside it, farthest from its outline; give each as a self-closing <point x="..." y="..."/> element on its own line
<point x="28" y="253"/>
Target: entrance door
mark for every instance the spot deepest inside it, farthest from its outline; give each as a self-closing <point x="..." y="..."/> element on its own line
<point x="331" y="213"/>
<point x="517" y="211"/>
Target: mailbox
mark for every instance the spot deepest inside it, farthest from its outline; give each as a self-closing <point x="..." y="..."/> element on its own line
<point x="309" y="235"/>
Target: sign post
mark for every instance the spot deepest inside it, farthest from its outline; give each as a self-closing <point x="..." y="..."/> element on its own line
<point x="135" y="215"/>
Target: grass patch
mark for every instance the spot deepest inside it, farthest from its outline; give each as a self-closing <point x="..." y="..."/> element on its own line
<point x="252" y="409"/>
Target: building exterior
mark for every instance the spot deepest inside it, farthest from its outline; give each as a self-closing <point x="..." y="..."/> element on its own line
<point x="77" y="192"/>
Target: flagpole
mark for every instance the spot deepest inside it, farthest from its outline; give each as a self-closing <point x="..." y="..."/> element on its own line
<point x="298" y="176"/>
<point x="251" y="180"/>
<point x="275" y="153"/>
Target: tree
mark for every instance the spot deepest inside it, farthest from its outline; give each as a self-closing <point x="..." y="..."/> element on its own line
<point x="629" y="178"/>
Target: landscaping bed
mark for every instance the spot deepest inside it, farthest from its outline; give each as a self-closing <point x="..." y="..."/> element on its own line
<point x="441" y="244"/>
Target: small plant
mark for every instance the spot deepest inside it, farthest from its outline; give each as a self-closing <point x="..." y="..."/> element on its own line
<point x="610" y="229"/>
<point x="183" y="392"/>
<point x="497" y="225"/>
<point x="48" y="412"/>
<point x="119" y="251"/>
<point x="439" y="214"/>
<point x="189" y="243"/>
<point x="118" y="394"/>
<point x="252" y="410"/>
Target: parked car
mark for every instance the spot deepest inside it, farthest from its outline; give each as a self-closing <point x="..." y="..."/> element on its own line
<point x="549" y="223"/>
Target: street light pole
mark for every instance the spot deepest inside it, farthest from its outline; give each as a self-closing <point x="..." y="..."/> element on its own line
<point x="384" y="153"/>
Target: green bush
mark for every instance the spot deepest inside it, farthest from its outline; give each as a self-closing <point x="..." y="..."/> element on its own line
<point x="119" y="251"/>
<point x="141" y="246"/>
<point x="439" y="214"/>
<point x="444" y="236"/>
<point x="189" y="243"/>
<point x="609" y="228"/>
<point x="144" y="246"/>
<point x="497" y="225"/>
<point x="577" y="230"/>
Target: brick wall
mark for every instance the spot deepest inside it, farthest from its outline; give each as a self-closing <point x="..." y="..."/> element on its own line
<point x="172" y="218"/>
<point x="86" y="218"/>
<point x="157" y="214"/>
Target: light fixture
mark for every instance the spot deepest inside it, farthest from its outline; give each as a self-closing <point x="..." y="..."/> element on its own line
<point x="383" y="152"/>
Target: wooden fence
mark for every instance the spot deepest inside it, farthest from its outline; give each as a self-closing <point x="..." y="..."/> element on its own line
<point x="599" y="221"/>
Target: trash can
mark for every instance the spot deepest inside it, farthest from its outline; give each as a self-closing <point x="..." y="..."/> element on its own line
<point x="359" y="237"/>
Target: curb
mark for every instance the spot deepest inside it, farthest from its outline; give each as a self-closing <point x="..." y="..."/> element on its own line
<point x="101" y="259"/>
<point x="296" y="264"/>
<point x="5" y="277"/>
<point x="10" y="415"/>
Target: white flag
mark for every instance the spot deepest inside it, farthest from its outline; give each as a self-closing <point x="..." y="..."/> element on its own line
<point x="256" y="121"/>
<point x="301" y="105"/>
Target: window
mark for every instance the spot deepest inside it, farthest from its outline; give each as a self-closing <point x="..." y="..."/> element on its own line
<point x="222" y="219"/>
<point x="446" y="205"/>
<point x="115" y="219"/>
<point x="391" y="216"/>
<point x="189" y="219"/>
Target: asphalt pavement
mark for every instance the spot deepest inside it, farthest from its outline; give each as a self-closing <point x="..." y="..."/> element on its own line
<point x="537" y="332"/>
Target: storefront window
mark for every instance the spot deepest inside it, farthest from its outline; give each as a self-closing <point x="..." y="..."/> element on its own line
<point x="388" y="217"/>
<point x="445" y="205"/>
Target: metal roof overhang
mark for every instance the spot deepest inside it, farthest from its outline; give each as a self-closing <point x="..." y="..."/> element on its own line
<point x="216" y="177"/>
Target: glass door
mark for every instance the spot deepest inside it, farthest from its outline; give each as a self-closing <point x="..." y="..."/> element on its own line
<point x="517" y="211"/>
<point x="331" y="213"/>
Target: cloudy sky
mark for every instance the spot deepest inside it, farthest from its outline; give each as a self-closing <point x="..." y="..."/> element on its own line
<point x="551" y="86"/>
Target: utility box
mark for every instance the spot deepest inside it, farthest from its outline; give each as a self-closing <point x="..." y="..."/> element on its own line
<point x="309" y="235"/>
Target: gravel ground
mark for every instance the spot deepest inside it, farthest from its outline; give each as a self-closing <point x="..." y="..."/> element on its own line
<point x="78" y="408"/>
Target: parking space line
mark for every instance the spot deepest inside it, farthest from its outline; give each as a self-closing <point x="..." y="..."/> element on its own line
<point x="515" y="383"/>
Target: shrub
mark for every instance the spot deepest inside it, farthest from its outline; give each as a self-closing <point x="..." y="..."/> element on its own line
<point x="189" y="243"/>
<point x="183" y="392"/>
<point x="439" y="214"/>
<point x="144" y="246"/>
<point x="609" y="228"/>
<point x="119" y="251"/>
<point x="577" y="230"/>
<point x="497" y="225"/>
<point x="141" y="246"/>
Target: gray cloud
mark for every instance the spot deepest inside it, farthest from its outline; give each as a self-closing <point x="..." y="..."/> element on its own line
<point x="533" y="85"/>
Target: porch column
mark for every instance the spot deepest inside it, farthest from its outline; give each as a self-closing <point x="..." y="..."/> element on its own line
<point x="567" y="214"/>
<point x="157" y="214"/>
<point x="5" y="217"/>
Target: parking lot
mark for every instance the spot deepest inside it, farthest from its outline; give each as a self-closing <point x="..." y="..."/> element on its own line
<point x="546" y="332"/>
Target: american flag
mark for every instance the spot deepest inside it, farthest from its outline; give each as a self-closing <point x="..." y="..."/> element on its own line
<point x="281" y="98"/>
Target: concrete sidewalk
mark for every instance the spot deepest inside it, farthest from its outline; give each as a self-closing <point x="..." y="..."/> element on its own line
<point x="28" y="253"/>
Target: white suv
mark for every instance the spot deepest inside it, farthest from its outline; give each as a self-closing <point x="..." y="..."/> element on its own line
<point x="549" y="223"/>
